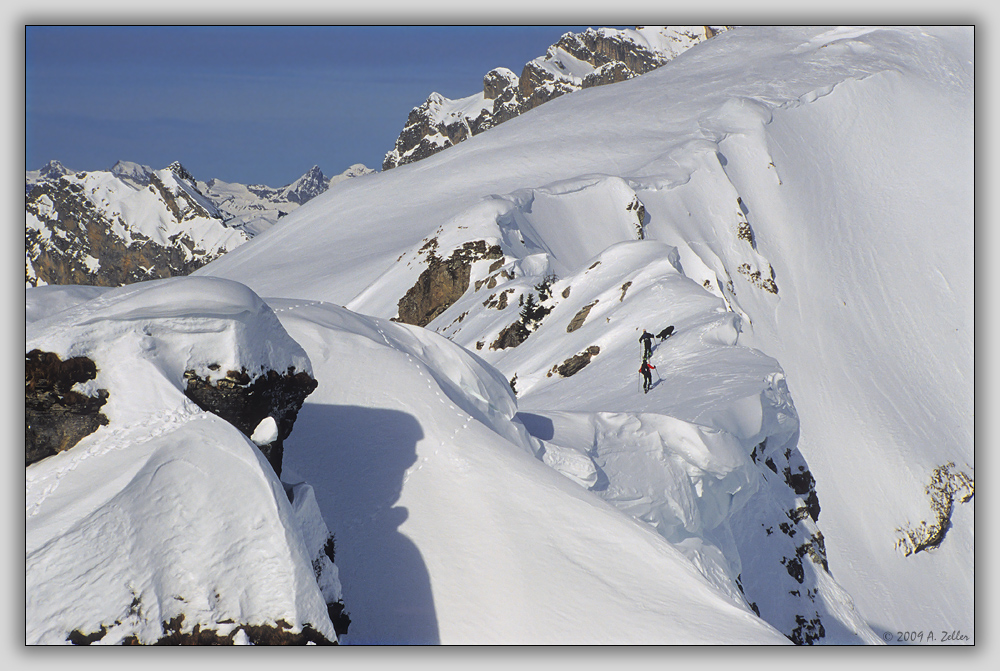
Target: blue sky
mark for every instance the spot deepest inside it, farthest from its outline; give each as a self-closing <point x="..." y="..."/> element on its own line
<point x="250" y="104"/>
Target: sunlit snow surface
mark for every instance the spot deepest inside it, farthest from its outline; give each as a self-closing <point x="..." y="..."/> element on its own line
<point x="836" y="163"/>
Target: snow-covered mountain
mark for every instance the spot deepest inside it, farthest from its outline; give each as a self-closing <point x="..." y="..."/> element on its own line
<point x="133" y="223"/>
<point x="479" y="444"/>
<point x="255" y="208"/>
<point x="578" y="60"/>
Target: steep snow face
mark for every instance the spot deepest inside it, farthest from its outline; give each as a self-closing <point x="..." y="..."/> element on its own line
<point x="167" y="512"/>
<point x="801" y="206"/>
<point x="875" y="325"/>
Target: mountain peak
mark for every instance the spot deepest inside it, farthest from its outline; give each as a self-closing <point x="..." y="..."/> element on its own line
<point x="181" y="171"/>
<point x="132" y="172"/>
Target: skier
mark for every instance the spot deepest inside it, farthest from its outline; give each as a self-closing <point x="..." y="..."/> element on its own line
<point x="665" y="333"/>
<point x="647" y="341"/>
<point x="647" y="379"/>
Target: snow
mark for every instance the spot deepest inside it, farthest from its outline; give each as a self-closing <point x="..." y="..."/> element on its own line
<point x="445" y="110"/>
<point x="149" y="216"/>
<point x="429" y="473"/>
<point x="581" y="510"/>
<point x="266" y="432"/>
<point x="167" y="510"/>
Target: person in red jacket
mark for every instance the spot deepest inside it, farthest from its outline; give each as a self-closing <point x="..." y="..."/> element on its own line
<point x="647" y="379"/>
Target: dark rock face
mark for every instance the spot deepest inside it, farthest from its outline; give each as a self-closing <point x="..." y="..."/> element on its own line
<point x="580" y="317"/>
<point x="424" y="135"/>
<point x="609" y="73"/>
<point x="307" y="187"/>
<point x="512" y="336"/>
<point x="258" y="634"/>
<point x="245" y="403"/>
<point x="537" y="85"/>
<point x="497" y="82"/>
<point x="55" y="416"/>
<point x="442" y="283"/>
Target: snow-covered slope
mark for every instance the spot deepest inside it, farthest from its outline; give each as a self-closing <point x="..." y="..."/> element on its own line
<point x="453" y="531"/>
<point x="804" y="192"/>
<point x="167" y="520"/>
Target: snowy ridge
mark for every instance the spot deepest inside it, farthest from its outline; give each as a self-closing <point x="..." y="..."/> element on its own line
<point x="444" y="459"/>
<point x="752" y="249"/>
<point x="591" y="58"/>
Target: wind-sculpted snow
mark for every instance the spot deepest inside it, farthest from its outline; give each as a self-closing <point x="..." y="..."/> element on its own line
<point x="166" y="518"/>
<point x="166" y="327"/>
<point x="449" y="530"/>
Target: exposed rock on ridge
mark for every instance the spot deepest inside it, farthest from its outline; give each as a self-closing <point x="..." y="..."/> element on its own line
<point x="77" y="229"/>
<point x="245" y="403"/>
<point x="56" y="416"/>
<point x="133" y="223"/>
<point x="442" y="283"/>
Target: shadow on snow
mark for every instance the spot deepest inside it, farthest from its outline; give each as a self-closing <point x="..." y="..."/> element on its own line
<point x="355" y="458"/>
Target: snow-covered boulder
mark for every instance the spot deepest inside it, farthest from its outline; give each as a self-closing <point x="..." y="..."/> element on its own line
<point x="167" y="523"/>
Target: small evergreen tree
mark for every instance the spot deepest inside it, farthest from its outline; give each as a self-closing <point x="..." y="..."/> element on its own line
<point x="529" y="309"/>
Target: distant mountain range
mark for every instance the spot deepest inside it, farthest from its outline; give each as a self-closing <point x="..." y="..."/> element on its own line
<point x="577" y="61"/>
<point x="133" y="223"/>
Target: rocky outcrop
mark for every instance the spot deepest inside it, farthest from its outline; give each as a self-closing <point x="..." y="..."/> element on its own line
<point x="246" y="402"/>
<point x="56" y="416"/>
<point x="576" y="363"/>
<point x="279" y="633"/>
<point x="610" y="55"/>
<point x="443" y="282"/>
<point x="580" y="317"/>
<point x="945" y="488"/>
<point x="511" y="336"/>
<point x="429" y="128"/>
